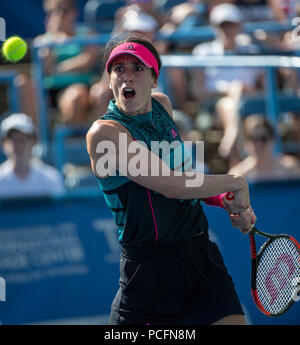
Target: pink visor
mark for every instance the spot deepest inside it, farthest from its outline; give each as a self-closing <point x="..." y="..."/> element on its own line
<point x="138" y="50"/>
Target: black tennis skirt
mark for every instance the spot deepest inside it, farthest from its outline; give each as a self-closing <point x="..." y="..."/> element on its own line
<point x="185" y="283"/>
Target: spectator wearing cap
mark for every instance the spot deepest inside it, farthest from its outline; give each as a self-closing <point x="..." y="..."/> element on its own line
<point x="140" y="23"/>
<point x="144" y="6"/>
<point x="216" y="87"/>
<point x="227" y="20"/>
<point x="21" y="175"/>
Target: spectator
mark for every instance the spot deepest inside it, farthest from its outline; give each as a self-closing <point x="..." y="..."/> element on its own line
<point x="140" y="23"/>
<point x="265" y="10"/>
<point x="145" y="6"/>
<point x="288" y="8"/>
<point x="187" y="133"/>
<point x="20" y="174"/>
<point x="195" y="9"/>
<point x="219" y="89"/>
<point x="268" y="10"/>
<point x="262" y="164"/>
<point x="70" y="68"/>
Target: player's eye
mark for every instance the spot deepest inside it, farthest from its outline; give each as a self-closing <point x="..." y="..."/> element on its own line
<point x="139" y="68"/>
<point x="118" y="68"/>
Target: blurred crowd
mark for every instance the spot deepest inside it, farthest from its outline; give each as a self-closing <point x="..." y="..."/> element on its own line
<point x="206" y="101"/>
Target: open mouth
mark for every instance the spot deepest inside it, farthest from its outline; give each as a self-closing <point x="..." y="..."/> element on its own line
<point x="128" y="93"/>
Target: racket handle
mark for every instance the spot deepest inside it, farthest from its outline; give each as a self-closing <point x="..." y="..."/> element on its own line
<point x="230" y="196"/>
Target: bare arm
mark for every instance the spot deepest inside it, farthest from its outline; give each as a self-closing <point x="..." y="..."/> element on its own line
<point x="80" y="63"/>
<point x="172" y="185"/>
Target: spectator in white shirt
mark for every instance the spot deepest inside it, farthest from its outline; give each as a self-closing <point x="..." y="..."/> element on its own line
<point x="21" y="175"/>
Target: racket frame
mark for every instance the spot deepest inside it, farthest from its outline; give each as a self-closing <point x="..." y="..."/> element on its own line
<point x="255" y="258"/>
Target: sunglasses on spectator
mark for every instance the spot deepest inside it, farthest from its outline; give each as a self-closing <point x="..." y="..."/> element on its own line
<point x="263" y="138"/>
<point x="62" y="11"/>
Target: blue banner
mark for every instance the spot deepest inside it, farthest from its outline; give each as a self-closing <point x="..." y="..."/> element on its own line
<point x="59" y="258"/>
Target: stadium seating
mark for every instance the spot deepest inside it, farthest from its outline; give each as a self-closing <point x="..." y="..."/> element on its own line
<point x="8" y="77"/>
<point x="257" y="104"/>
<point x="100" y="14"/>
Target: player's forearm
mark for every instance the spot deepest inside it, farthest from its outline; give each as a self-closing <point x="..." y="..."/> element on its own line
<point x="202" y="186"/>
<point x="153" y="172"/>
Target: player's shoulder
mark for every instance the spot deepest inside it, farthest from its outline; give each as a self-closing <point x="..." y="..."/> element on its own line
<point x="164" y="100"/>
<point x="102" y="130"/>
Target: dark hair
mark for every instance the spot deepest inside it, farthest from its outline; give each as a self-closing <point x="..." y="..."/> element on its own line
<point x="115" y="41"/>
<point x="258" y="121"/>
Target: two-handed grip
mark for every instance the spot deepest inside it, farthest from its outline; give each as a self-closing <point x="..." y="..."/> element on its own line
<point x="229" y="196"/>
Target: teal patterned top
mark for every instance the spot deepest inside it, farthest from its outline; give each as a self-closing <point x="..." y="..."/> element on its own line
<point x="143" y="217"/>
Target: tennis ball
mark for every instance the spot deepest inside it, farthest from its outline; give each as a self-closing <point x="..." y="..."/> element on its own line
<point x="14" y="48"/>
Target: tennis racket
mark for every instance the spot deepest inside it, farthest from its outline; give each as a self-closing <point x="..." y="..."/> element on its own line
<point x="275" y="275"/>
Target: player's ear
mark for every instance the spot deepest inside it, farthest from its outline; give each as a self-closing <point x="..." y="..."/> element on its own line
<point x="155" y="83"/>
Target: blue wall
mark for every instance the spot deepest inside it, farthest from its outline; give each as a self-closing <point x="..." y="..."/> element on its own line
<point x="60" y="258"/>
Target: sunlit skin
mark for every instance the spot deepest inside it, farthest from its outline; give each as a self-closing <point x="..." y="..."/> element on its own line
<point x="258" y="147"/>
<point x="229" y="32"/>
<point x="129" y="72"/>
<point x="61" y="19"/>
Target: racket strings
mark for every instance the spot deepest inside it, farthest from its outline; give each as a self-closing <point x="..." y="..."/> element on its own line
<point x="277" y="273"/>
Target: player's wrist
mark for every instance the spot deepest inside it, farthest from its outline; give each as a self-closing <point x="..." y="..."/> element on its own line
<point x="240" y="183"/>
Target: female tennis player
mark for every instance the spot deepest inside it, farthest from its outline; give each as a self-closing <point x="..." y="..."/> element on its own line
<point x="170" y="271"/>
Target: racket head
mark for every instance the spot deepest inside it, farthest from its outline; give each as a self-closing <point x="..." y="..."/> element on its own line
<point x="275" y="273"/>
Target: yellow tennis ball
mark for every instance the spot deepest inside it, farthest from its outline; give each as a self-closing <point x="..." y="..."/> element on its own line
<point x="14" y="48"/>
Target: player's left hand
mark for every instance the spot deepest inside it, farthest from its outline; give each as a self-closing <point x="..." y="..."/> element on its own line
<point x="243" y="220"/>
